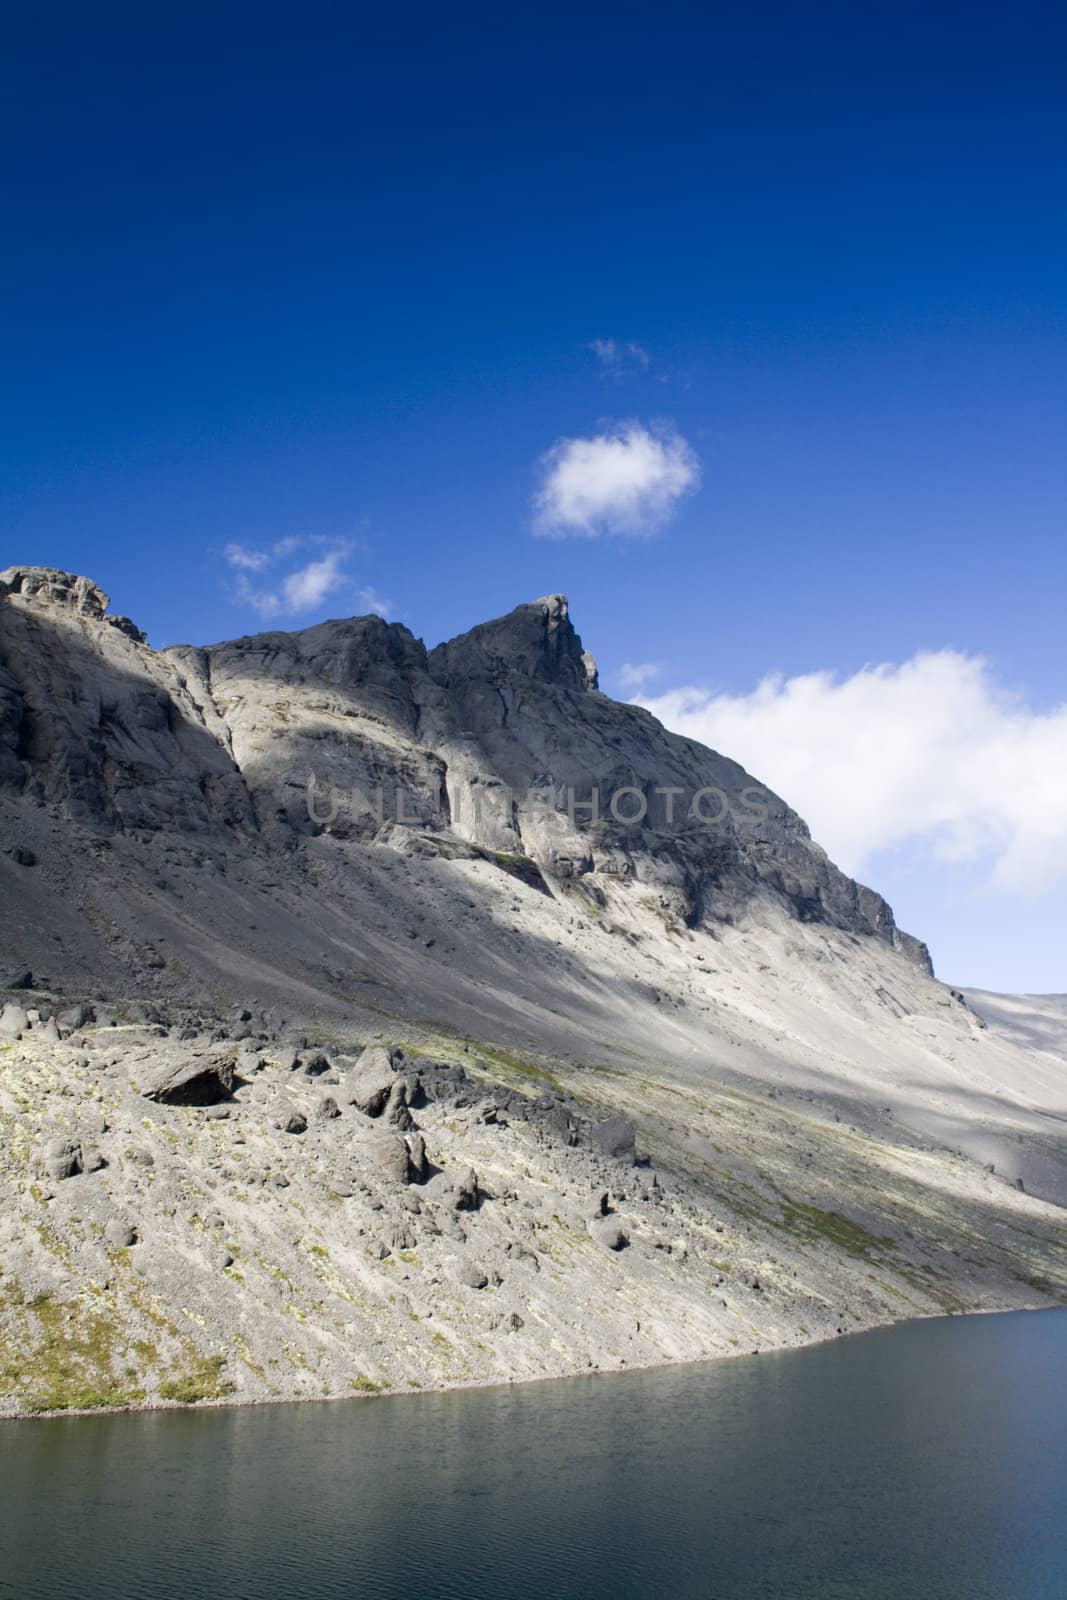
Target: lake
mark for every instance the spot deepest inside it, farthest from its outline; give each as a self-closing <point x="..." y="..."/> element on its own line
<point x="923" y="1462"/>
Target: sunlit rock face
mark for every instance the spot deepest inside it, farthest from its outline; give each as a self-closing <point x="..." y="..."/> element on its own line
<point x="499" y="738"/>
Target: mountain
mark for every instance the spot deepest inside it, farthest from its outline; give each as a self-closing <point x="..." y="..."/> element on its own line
<point x="384" y="1016"/>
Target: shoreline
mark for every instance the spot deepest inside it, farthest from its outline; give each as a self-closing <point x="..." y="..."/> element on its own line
<point x="229" y="1403"/>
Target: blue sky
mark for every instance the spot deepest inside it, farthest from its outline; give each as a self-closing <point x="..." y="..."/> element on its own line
<point x="742" y="326"/>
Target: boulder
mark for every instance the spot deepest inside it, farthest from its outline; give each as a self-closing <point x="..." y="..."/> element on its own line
<point x="396" y="1106"/>
<point x="465" y="1190"/>
<point x="416" y="1147"/>
<point x="326" y="1109"/>
<point x="316" y="1065"/>
<point x="77" y="1016"/>
<point x="189" y="1080"/>
<point x="471" y="1275"/>
<point x="521" y="1254"/>
<point x="295" y="1122"/>
<point x="384" y="1156"/>
<point x="63" y="1158"/>
<point x="371" y="1081"/>
<point x="119" y="1234"/>
<point x="609" y="1233"/>
<point x="13" y="1021"/>
<point x="615" y="1138"/>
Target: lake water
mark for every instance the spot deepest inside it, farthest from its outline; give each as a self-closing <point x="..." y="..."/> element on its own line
<point x="926" y="1462"/>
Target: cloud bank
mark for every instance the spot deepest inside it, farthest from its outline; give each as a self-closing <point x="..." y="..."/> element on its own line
<point x="627" y="481"/>
<point x="933" y="750"/>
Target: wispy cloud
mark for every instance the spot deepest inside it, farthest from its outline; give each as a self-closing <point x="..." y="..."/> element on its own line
<point x="617" y="357"/>
<point x="635" y="674"/>
<point x="297" y="589"/>
<point x="932" y="751"/>
<point x="246" y="560"/>
<point x="627" y="480"/>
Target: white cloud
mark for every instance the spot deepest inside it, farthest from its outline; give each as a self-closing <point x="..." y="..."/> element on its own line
<point x="933" y="751"/>
<point x="374" y="602"/>
<point x="619" y="356"/>
<point x="635" y="674"/>
<point x="628" y="480"/>
<point x="246" y="560"/>
<point x="264" y="601"/>
<point x="303" y="588"/>
<point x="309" y="586"/>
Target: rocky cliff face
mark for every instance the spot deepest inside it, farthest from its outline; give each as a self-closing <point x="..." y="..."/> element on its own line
<point x="569" y="940"/>
<point x="499" y="738"/>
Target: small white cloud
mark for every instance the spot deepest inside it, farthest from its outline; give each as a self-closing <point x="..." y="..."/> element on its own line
<point x="626" y="481"/>
<point x="246" y="560"/>
<point x="619" y="356"/>
<point x="303" y="588"/>
<point x="374" y="602"/>
<point x="635" y="674"/>
<point x="308" y="586"/>
<point x="933" y="751"/>
<point x="264" y="601"/>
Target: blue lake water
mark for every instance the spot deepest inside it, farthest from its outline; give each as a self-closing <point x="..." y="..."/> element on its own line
<point x="925" y="1462"/>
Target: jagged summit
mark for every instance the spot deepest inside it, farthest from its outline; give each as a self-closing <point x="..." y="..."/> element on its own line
<point x="538" y="639"/>
<point x="493" y="738"/>
<point x="65" y="591"/>
<point x="54" y="587"/>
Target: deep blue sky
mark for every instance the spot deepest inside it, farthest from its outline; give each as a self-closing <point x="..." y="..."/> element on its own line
<point x="273" y="271"/>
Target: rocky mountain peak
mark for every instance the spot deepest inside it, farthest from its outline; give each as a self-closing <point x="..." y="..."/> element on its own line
<point x="536" y="640"/>
<point x="54" y="587"/>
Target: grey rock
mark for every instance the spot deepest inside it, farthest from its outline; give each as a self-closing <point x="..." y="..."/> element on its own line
<point x="326" y="1109"/>
<point x="416" y="1147"/>
<point x="371" y="1081"/>
<point x="471" y="1275"/>
<point x="189" y="1080"/>
<point x="465" y="1191"/>
<point x="396" y="1106"/>
<point x="13" y="1021"/>
<point x="76" y="1016"/>
<point x="615" y="1138"/>
<point x="383" y="1155"/>
<point x="63" y="1158"/>
<point x="295" y="1122"/>
<point x="522" y="1256"/>
<point x="609" y="1233"/>
<point x="317" y="1065"/>
<point x="120" y="1234"/>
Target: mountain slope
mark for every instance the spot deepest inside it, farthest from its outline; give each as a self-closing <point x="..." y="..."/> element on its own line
<point x="355" y="839"/>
